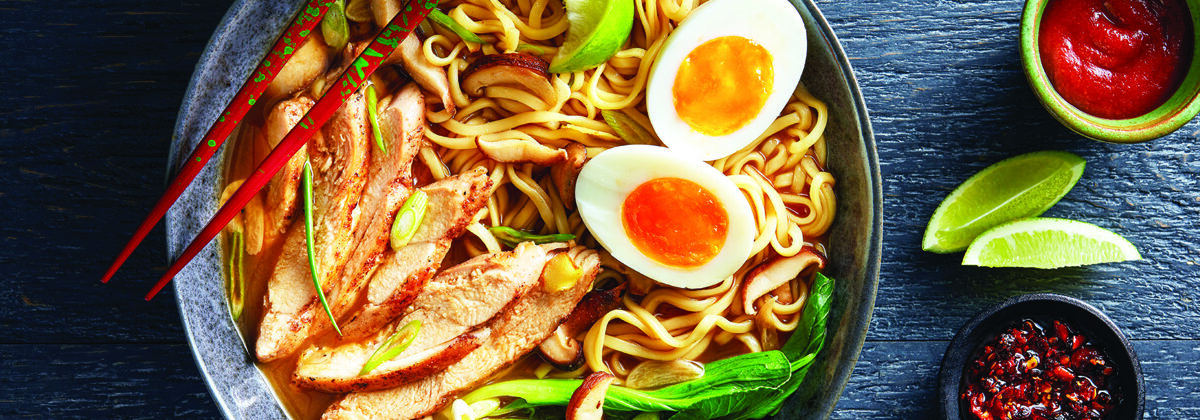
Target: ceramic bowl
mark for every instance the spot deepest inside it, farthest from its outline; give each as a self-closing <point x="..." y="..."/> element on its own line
<point x="1044" y="308"/>
<point x="244" y="35"/>
<point x="1180" y="108"/>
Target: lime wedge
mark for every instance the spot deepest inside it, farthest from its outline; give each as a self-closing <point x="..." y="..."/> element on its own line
<point x="1017" y="187"/>
<point x="1048" y="243"/>
<point x="598" y="29"/>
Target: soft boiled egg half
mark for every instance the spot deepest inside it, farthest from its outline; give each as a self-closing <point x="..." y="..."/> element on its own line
<point x="672" y="218"/>
<point x="724" y="75"/>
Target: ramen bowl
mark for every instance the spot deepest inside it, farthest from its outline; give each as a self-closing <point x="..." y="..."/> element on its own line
<point x="225" y="361"/>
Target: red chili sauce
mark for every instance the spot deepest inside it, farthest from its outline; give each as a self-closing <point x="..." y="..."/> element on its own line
<point x="1116" y="59"/>
<point x="1027" y="372"/>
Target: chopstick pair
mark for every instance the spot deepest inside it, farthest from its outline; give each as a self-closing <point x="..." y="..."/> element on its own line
<point x="228" y="119"/>
<point x="347" y="83"/>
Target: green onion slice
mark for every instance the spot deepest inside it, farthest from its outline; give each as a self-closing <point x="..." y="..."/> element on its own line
<point x="627" y="128"/>
<point x="408" y="219"/>
<point x="523" y="47"/>
<point x="393" y="346"/>
<point x="308" y="241"/>
<point x="512" y="237"/>
<point x="237" y="280"/>
<point x="334" y="27"/>
<point x="373" y="116"/>
<point x="449" y="23"/>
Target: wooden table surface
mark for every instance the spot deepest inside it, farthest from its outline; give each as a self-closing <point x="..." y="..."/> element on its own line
<point x="89" y="92"/>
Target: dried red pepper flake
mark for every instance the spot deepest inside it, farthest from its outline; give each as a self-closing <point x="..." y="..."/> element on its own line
<point x="1031" y="372"/>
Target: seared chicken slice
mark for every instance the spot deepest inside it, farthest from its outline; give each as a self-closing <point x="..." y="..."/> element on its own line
<point x="389" y="183"/>
<point x="282" y="192"/>
<point x="513" y="334"/>
<point x="338" y="154"/>
<point x="457" y="301"/>
<point x="453" y="204"/>
<point x="432" y="78"/>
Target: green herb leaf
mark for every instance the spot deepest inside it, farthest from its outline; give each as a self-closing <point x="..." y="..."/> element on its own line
<point x="409" y="219"/>
<point x="308" y="242"/>
<point x="805" y="343"/>
<point x="237" y="280"/>
<point x="449" y="23"/>
<point x="373" y="117"/>
<point x="334" y="27"/>
<point x="627" y="128"/>
<point x="512" y="237"/>
<point x="393" y="346"/>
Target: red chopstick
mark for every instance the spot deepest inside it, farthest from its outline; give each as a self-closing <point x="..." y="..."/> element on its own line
<point x="251" y="91"/>
<point x="358" y="72"/>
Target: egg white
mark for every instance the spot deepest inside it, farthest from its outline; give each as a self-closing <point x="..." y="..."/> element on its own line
<point x="773" y="24"/>
<point x="607" y="179"/>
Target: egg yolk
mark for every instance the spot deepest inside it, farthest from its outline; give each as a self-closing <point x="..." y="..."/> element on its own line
<point x="723" y="84"/>
<point x="675" y="221"/>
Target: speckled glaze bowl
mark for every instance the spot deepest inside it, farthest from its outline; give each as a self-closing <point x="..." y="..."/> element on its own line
<point x="1180" y="108"/>
<point x="243" y="37"/>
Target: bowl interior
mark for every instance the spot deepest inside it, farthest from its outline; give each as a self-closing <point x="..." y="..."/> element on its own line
<point x="1044" y="308"/>
<point x="1180" y="108"/>
<point x="244" y="35"/>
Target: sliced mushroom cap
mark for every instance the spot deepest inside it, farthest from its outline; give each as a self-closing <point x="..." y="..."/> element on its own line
<point x="564" y="174"/>
<point x="516" y="70"/>
<point x="587" y="402"/>
<point x="655" y="373"/>
<point x="776" y="272"/>
<point x="562" y="351"/>
<point x="309" y="61"/>
<point x="521" y="150"/>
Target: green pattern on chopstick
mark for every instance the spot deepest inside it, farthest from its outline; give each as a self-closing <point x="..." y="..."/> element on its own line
<point x="308" y="242"/>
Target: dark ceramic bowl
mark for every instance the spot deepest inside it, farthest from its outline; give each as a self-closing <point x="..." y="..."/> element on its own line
<point x="1180" y="108"/>
<point x="1044" y="308"/>
<point x="245" y="34"/>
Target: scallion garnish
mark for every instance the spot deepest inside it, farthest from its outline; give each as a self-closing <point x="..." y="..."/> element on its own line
<point x="627" y="128"/>
<point x="308" y="241"/>
<point x="408" y="219"/>
<point x="373" y="115"/>
<point x="334" y="27"/>
<point x="449" y="23"/>
<point x="237" y="281"/>
<point x="512" y="237"/>
<point x="393" y="346"/>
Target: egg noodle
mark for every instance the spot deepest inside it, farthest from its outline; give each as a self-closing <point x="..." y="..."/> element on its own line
<point x="780" y="172"/>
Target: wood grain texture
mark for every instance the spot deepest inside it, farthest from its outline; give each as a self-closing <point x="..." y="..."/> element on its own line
<point x="91" y="91"/>
<point x="135" y="381"/>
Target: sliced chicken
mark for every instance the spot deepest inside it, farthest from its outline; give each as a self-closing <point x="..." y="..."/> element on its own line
<point x="281" y="203"/>
<point x="459" y="300"/>
<point x="389" y="183"/>
<point x="432" y="78"/>
<point x="514" y="333"/>
<point x="400" y="277"/>
<point x="338" y="154"/>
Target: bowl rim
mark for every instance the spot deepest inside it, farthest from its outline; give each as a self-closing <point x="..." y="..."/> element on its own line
<point x="1181" y="107"/>
<point x="1077" y="311"/>
<point x="237" y="386"/>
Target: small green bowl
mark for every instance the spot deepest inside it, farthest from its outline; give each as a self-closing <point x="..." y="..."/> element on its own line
<point x="1177" y="111"/>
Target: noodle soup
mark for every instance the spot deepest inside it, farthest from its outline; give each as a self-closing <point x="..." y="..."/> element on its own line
<point x="522" y="144"/>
